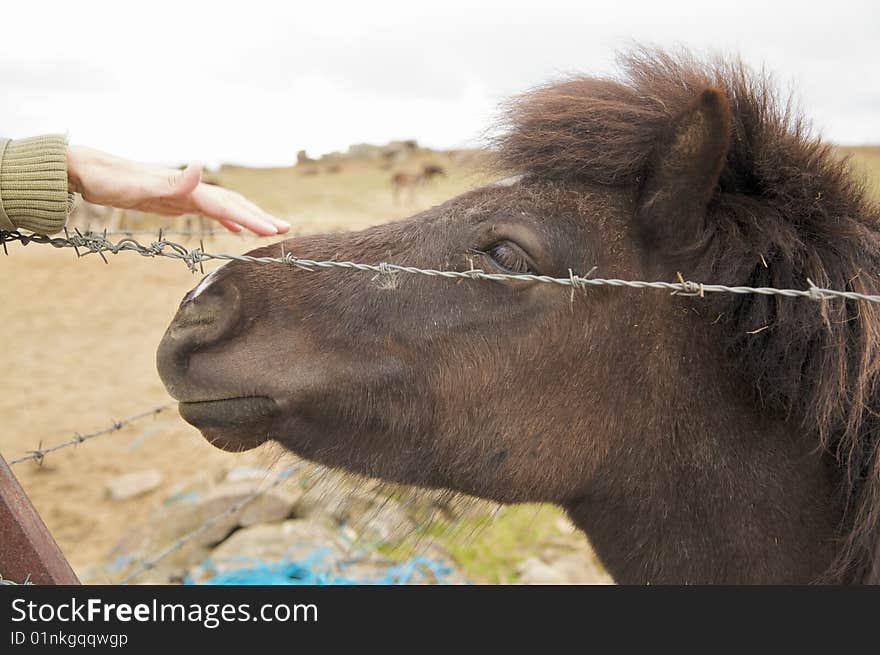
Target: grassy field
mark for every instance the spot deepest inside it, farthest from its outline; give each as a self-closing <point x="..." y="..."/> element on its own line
<point x="80" y="351"/>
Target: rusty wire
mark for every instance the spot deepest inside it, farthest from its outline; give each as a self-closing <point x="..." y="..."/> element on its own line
<point x="145" y="565"/>
<point x="91" y="243"/>
<point x="40" y="453"/>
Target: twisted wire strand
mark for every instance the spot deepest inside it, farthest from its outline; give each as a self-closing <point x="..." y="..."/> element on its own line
<point x="40" y="453"/>
<point x="182" y="233"/>
<point x="147" y="564"/>
<point x="92" y="243"/>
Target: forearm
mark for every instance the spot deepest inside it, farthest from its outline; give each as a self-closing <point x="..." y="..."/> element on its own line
<point x="33" y="184"/>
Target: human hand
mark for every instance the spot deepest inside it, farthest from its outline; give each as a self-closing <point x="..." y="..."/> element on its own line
<point x="104" y="179"/>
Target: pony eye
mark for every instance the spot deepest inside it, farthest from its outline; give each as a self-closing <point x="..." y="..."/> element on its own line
<point x="509" y="257"/>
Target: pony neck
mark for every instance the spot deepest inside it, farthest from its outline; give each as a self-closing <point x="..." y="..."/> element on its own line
<point x="771" y="519"/>
<point x="711" y="490"/>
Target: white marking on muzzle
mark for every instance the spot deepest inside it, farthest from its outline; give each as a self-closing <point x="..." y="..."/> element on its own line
<point x="508" y="181"/>
<point x="205" y="283"/>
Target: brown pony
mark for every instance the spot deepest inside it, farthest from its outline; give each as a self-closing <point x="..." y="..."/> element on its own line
<point x="402" y="180"/>
<point x="726" y="439"/>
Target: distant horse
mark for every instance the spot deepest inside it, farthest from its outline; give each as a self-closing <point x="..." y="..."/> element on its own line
<point x="410" y="181"/>
<point x="731" y="438"/>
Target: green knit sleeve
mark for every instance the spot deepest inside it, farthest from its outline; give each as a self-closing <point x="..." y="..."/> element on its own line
<point x="33" y="184"/>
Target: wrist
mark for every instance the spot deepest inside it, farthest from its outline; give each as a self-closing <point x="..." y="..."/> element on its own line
<point x="74" y="160"/>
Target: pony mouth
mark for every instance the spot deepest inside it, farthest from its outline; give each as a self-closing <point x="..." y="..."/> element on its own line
<point x="232" y="424"/>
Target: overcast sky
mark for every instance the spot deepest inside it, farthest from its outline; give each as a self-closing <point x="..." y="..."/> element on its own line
<point x="253" y="82"/>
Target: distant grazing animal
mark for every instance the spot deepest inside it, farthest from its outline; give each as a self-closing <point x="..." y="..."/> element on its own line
<point x="403" y="180"/>
<point x="397" y="152"/>
<point x="726" y="439"/>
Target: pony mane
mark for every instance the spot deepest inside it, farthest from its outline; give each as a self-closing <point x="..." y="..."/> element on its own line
<point x="787" y="210"/>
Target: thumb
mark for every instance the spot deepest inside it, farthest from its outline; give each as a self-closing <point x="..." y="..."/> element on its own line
<point x="184" y="182"/>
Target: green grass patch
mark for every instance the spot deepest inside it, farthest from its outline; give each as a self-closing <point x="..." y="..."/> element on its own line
<point x="489" y="547"/>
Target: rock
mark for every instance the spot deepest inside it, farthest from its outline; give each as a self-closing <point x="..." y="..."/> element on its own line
<point x="133" y="484"/>
<point x="275" y="505"/>
<point x="334" y="496"/>
<point x="244" y="473"/>
<point x="348" y="533"/>
<point x="185" y="516"/>
<point x="190" y="488"/>
<point x="294" y="539"/>
<point x="569" y="568"/>
<point x="565" y="526"/>
<point x="385" y="523"/>
<point x="368" y="514"/>
<point x="189" y="513"/>
<point x="324" y="496"/>
<point x="535" y="571"/>
<point x="364" y="151"/>
<point x="346" y="520"/>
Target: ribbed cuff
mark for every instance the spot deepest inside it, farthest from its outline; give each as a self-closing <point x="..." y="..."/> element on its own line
<point x="33" y="184"/>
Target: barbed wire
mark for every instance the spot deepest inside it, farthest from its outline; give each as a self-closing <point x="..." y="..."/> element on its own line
<point x="183" y="233"/>
<point x="27" y="581"/>
<point x="40" y="453"/>
<point x="194" y="258"/>
<point x="147" y="564"/>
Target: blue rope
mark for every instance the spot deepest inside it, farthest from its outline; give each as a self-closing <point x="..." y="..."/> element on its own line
<point x="309" y="571"/>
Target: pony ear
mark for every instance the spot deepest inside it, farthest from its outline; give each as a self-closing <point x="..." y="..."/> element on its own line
<point x="682" y="173"/>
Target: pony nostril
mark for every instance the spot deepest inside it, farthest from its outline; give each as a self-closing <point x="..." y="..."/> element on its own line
<point x="204" y="318"/>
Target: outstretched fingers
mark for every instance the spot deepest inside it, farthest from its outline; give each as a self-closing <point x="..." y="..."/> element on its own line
<point x="229" y="225"/>
<point x="228" y="207"/>
<point x="246" y="206"/>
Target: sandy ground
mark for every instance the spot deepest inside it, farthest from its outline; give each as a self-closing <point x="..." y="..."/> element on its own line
<point x="79" y="348"/>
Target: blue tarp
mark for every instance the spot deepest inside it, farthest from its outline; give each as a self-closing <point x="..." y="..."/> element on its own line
<point x="313" y="571"/>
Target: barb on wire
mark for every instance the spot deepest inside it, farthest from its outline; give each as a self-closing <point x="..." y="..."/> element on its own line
<point x="40" y="453"/>
<point x="99" y="244"/>
<point x="27" y="581"/>
<point x="147" y="564"/>
<point x="181" y="233"/>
